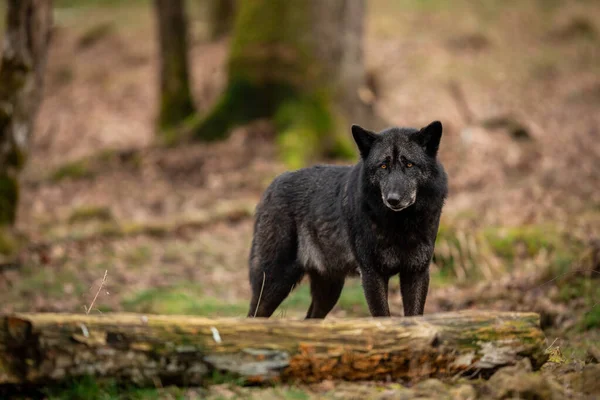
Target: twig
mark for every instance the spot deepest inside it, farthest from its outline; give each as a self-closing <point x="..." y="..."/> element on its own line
<point x="260" y="295"/>
<point x="87" y="311"/>
<point x="551" y="345"/>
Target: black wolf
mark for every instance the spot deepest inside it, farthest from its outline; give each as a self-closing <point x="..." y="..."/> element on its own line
<point x="377" y="218"/>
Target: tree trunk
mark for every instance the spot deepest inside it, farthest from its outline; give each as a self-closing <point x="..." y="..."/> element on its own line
<point x="220" y="18"/>
<point x="175" y="96"/>
<point x="38" y="348"/>
<point x="299" y="62"/>
<point x="25" y="46"/>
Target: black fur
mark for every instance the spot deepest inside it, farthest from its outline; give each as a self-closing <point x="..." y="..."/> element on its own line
<point x="379" y="218"/>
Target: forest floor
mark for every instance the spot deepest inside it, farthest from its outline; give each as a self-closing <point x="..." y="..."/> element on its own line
<point x="518" y="91"/>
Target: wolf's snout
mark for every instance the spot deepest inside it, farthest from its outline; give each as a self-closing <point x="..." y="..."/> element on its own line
<point x="393" y="200"/>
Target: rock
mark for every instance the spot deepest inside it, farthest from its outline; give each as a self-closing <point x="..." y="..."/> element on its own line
<point x="586" y="382"/>
<point x="431" y="389"/>
<point x="593" y="354"/>
<point x="519" y="381"/>
<point x="463" y="392"/>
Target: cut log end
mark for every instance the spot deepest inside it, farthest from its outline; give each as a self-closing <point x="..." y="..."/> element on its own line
<point x="39" y="348"/>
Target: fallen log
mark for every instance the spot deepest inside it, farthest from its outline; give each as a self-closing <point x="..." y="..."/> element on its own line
<point x="144" y="349"/>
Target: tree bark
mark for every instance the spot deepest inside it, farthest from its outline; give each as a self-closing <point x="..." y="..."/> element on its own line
<point x="25" y="47"/>
<point x="299" y="62"/>
<point x="176" y="103"/>
<point x="220" y="18"/>
<point x="40" y="348"/>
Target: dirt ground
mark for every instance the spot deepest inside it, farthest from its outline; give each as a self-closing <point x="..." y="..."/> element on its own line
<point x="516" y="86"/>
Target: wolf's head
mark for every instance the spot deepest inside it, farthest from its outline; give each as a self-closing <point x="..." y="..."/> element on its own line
<point x="399" y="161"/>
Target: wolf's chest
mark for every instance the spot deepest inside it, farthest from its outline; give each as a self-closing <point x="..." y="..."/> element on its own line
<point x="326" y="253"/>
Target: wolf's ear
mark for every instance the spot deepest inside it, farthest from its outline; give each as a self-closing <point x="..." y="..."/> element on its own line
<point x="429" y="137"/>
<point x="364" y="139"/>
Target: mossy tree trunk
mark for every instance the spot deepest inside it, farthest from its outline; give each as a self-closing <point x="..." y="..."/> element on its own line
<point x="299" y="62"/>
<point x="220" y="18"/>
<point x="176" y="103"/>
<point x="37" y="348"/>
<point x="25" y="47"/>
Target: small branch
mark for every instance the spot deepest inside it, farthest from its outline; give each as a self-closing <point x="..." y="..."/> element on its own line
<point x="260" y="295"/>
<point x="87" y="311"/>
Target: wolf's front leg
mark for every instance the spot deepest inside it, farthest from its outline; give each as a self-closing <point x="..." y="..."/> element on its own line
<point x="413" y="287"/>
<point x="375" y="287"/>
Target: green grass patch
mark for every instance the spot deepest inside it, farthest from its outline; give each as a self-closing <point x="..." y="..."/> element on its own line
<point x="90" y="213"/>
<point x="139" y="255"/>
<point x="591" y="319"/>
<point x="95" y="3"/>
<point x="506" y="241"/>
<point x="79" y="169"/>
<point x="89" y="388"/>
<point x="183" y="299"/>
<point x="83" y="389"/>
<point x="54" y="283"/>
<point x="588" y="290"/>
<point x="352" y="300"/>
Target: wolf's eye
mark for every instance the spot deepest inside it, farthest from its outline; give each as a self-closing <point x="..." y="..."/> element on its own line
<point x="409" y="165"/>
<point x="383" y="166"/>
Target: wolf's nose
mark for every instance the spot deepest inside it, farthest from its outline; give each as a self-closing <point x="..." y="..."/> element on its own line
<point x="393" y="200"/>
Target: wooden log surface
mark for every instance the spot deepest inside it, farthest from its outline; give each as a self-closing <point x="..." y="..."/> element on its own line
<point x="141" y="349"/>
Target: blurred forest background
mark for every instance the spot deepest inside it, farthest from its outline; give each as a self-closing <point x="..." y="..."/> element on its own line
<point x="161" y="123"/>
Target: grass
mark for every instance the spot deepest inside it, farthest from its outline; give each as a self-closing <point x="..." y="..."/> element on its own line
<point x="138" y="256"/>
<point x="79" y="169"/>
<point x="51" y="282"/>
<point x="467" y="253"/>
<point x="90" y="213"/>
<point x="182" y="299"/>
<point x="352" y="300"/>
<point x="93" y="3"/>
<point x="586" y="292"/>
<point x="591" y="319"/>
<point x="530" y="240"/>
<point x="90" y="166"/>
<point x="190" y="299"/>
<point x="89" y="388"/>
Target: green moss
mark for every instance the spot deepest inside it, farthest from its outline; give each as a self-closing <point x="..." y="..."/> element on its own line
<point x="242" y="102"/>
<point x="268" y="44"/>
<point x="272" y="74"/>
<point x="8" y="242"/>
<point x="79" y="169"/>
<point x="174" y="109"/>
<point x="90" y="213"/>
<point x="308" y="128"/>
<point x="9" y="197"/>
